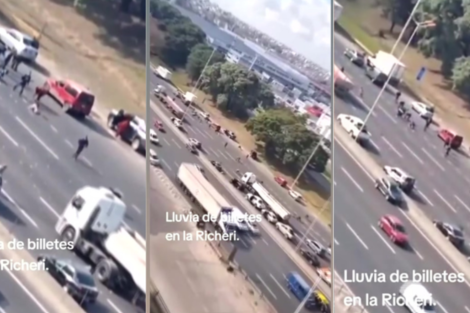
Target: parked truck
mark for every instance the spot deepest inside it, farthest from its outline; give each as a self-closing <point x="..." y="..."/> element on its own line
<point x="93" y="225"/>
<point x="384" y="65"/>
<point x="163" y="73"/>
<point x="252" y="184"/>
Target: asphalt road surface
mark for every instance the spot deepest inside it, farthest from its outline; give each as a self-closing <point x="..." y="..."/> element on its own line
<point x="42" y="175"/>
<point x="440" y="189"/>
<point x="260" y="257"/>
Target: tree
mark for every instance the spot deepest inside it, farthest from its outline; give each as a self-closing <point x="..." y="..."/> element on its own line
<point x="242" y="89"/>
<point x="398" y="11"/>
<point x="461" y="75"/>
<point x="286" y="139"/>
<point x="198" y="58"/>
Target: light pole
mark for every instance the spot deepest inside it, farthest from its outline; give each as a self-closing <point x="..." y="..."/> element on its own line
<point x="424" y="24"/>
<point x="412" y="14"/>
<point x="309" y="294"/>
<point x="324" y="207"/>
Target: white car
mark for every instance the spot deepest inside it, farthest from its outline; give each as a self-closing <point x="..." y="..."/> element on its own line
<point x="178" y="123"/>
<point x="256" y="201"/>
<point x="316" y="247"/>
<point x="285" y="230"/>
<point x="158" y="90"/>
<point x="294" y="194"/>
<point x="25" y="46"/>
<point x="153" y="158"/>
<point x="417" y="298"/>
<point x="270" y="216"/>
<point x="253" y="227"/>
<point x="405" y="181"/>
<point x="153" y="137"/>
<point x="424" y="110"/>
<point x="354" y="126"/>
<point x="195" y="142"/>
<point x="325" y="274"/>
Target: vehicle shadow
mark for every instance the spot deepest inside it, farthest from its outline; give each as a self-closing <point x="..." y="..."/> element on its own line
<point x="95" y="126"/>
<point x="403" y="206"/>
<point x="415" y="196"/>
<point x="370" y="147"/>
<point x="7" y="213"/>
<point x="355" y="101"/>
<point x="242" y="242"/>
<point x="464" y="249"/>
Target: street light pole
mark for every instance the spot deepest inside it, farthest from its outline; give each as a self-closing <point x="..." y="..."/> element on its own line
<point x="310" y="227"/>
<point x="306" y="163"/>
<point x="413" y="12"/>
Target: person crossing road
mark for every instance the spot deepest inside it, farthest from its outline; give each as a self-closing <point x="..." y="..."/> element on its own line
<point x="82" y="144"/>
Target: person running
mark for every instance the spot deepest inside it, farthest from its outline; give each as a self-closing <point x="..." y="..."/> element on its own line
<point x="397" y="96"/>
<point x="428" y="123"/>
<point x="82" y="144"/>
<point x="225" y="145"/>
<point x="24" y="81"/>
<point x="448" y="148"/>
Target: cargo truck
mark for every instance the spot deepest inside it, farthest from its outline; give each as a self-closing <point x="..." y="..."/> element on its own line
<point x="93" y="224"/>
<point x="163" y="73"/>
<point x="384" y="65"/>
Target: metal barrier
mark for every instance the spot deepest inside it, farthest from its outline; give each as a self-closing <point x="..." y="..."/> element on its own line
<point x="157" y="305"/>
<point x="341" y="291"/>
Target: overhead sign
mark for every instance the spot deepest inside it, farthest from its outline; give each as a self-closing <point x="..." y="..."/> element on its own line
<point x="421" y="73"/>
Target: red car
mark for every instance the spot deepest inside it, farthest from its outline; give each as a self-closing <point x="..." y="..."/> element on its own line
<point x="281" y="181"/>
<point x="394" y="229"/>
<point x="159" y="125"/>
<point x="76" y="98"/>
<point x="450" y="137"/>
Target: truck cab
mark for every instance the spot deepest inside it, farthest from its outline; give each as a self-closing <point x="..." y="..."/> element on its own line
<point x="74" y="98"/>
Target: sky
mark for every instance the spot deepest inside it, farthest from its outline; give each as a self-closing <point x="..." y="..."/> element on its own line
<point x="303" y="25"/>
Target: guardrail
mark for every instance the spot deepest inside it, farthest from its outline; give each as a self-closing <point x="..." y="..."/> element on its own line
<point x="341" y="291"/>
<point x="157" y="305"/>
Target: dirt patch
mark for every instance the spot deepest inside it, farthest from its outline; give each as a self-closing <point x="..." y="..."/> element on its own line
<point x="94" y="44"/>
<point x="362" y="20"/>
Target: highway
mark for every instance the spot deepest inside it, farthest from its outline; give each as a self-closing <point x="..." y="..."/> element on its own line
<point x="42" y="175"/>
<point x="440" y="193"/>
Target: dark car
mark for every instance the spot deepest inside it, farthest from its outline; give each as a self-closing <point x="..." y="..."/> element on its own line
<point x="356" y="57"/>
<point x="218" y="166"/>
<point x="311" y="258"/>
<point x="452" y="232"/>
<point x="76" y="279"/>
<point x="389" y="189"/>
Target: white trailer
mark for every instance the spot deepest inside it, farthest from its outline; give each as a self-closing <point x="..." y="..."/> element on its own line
<point x="93" y="222"/>
<point x="163" y="72"/>
<point x="201" y="191"/>
<point x="383" y="66"/>
<point x="251" y="181"/>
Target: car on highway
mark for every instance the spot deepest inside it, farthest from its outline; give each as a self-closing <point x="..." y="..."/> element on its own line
<point x="424" y="110"/>
<point x="295" y="195"/>
<point x="135" y="134"/>
<point x="160" y="92"/>
<point x="325" y="274"/>
<point x="253" y="227"/>
<point x="25" y="46"/>
<point x="452" y="232"/>
<point x="76" y="99"/>
<point x="153" y="158"/>
<point x="270" y="216"/>
<point x="195" y="143"/>
<point x="389" y="189"/>
<point x="316" y="247"/>
<point x="285" y="230"/>
<point x="405" y="181"/>
<point x="355" y="127"/>
<point x="450" y="137"/>
<point x="191" y="147"/>
<point x="355" y="57"/>
<point x="218" y="166"/>
<point x="256" y="201"/>
<point x="76" y="279"/>
<point x="311" y="257"/>
<point x="417" y="298"/>
<point x="178" y="122"/>
<point x="281" y="181"/>
<point x="230" y="134"/>
<point x="394" y="229"/>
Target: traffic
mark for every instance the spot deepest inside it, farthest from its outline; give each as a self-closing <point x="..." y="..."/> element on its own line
<point x="420" y="161"/>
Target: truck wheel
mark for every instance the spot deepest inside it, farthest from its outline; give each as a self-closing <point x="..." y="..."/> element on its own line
<point x="68" y="235"/>
<point x="136" y="145"/>
<point x="104" y="270"/>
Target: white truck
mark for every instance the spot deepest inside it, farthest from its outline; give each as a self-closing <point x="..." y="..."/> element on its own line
<point x="189" y="98"/>
<point x="92" y="223"/>
<point x="253" y="185"/>
<point x="163" y="73"/>
<point x="384" y="65"/>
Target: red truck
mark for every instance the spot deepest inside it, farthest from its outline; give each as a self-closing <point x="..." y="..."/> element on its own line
<point x="71" y="96"/>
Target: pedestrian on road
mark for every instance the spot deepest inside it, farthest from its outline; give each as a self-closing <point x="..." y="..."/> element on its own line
<point x="17" y="60"/>
<point x="225" y="145"/>
<point x="428" y="123"/>
<point x="447" y="143"/>
<point x="448" y="150"/>
<point x="397" y="96"/>
<point x="40" y="92"/>
<point x="361" y="92"/>
<point x="82" y="144"/>
<point x="3" y="73"/>
<point x="8" y="58"/>
<point x="24" y="81"/>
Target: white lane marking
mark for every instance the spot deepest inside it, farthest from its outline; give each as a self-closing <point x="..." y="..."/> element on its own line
<point x="26" y="290"/>
<point x="387" y="115"/>
<point x="336" y="242"/>
<point x="266" y="286"/>
<point x="2" y="311"/>
<point x="49" y="207"/>
<point x="88" y="162"/>
<point x="418" y="254"/>
<point x="166" y="164"/>
<point x="433" y="159"/>
<point x="213" y="151"/>
<point x="135" y="207"/>
<point x="442" y="307"/>
<point x="53" y="129"/>
<point x="375" y="145"/>
<point x="112" y="305"/>
<point x="280" y="286"/>
<point x="37" y="138"/>
<point x="412" y="153"/>
<point x="166" y="141"/>
<point x="265" y="242"/>
<point x="438" y="251"/>
<point x="462" y="203"/>
<point x="383" y="239"/>
<point x="174" y="141"/>
<point x="467" y="309"/>
<point x="425" y="198"/>
<point x="68" y="143"/>
<point x="4" y="132"/>
<point x="29" y="218"/>
<point x="352" y="179"/>
<point x="200" y="132"/>
<point x="357" y="236"/>
<point x="444" y="200"/>
<point x="222" y="154"/>
<point x="392" y="147"/>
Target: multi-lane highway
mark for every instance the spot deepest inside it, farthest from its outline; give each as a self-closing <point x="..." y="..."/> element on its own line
<point x="42" y="176"/>
<point x="440" y="193"/>
<point x="260" y="257"/>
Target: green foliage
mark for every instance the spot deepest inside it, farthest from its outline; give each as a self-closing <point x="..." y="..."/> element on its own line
<point x="397" y="11"/>
<point x="235" y="89"/>
<point x="181" y="34"/>
<point x="461" y="75"/>
<point x="198" y="58"/>
<point x="286" y="139"/>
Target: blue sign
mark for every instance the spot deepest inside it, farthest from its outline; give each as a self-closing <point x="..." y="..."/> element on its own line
<point x="421" y="73"/>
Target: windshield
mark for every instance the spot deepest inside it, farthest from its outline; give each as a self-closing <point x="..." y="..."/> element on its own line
<point x="400" y="228"/>
<point x="394" y="188"/>
<point x="458" y="233"/>
<point x="85" y="279"/>
<point x="86" y="99"/>
<point x="430" y="109"/>
<point x="31" y="43"/>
